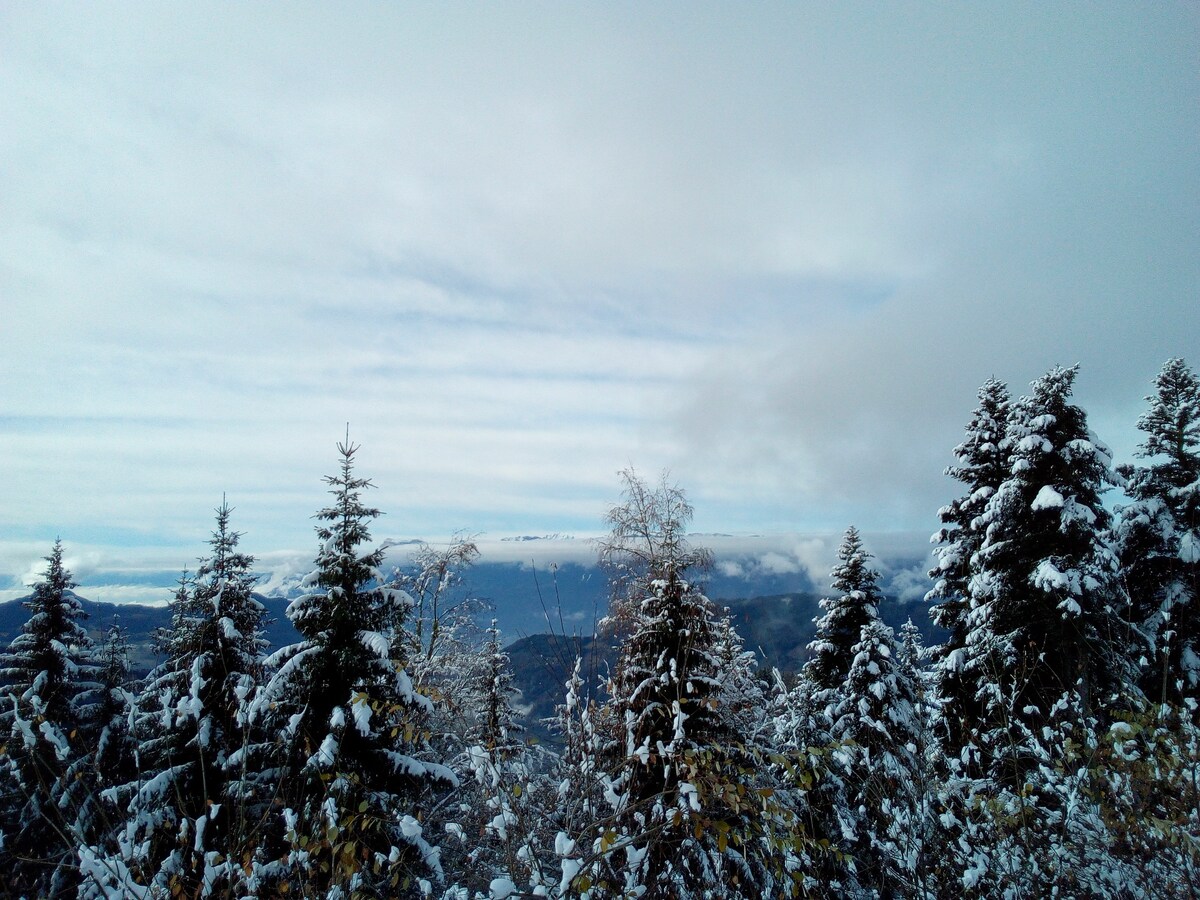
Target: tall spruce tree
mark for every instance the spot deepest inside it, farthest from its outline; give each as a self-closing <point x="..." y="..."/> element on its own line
<point x="349" y="773"/>
<point x="109" y="759"/>
<point x="48" y="680"/>
<point x="876" y="719"/>
<point x="691" y="807"/>
<point x="1158" y="536"/>
<point x="1046" y="617"/>
<point x="855" y="606"/>
<point x="982" y="467"/>
<point x="188" y="812"/>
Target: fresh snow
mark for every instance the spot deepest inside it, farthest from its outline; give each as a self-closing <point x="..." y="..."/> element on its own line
<point x="1047" y="498"/>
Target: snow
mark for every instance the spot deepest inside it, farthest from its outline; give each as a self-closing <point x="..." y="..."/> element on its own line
<point x="1049" y="578"/>
<point x="376" y="643"/>
<point x="1190" y="662"/>
<point x="1034" y="442"/>
<point x="327" y="752"/>
<point x="1047" y="498"/>
<point x="360" y="707"/>
<point x="570" y="868"/>
<point x="563" y="845"/>
<point x="502" y="888"/>
<point x="688" y="792"/>
<point x="1189" y="547"/>
<point x="410" y="827"/>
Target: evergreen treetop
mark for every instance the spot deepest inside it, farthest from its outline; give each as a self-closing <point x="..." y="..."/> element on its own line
<point x="49" y="693"/>
<point x="1158" y="536"/>
<point x="53" y="650"/>
<point x="840" y="628"/>
<point x="1047" y="605"/>
<point x="982" y="466"/>
<point x="192" y="727"/>
<point x="350" y="756"/>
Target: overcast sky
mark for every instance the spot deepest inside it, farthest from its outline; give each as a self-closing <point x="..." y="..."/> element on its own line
<point x="774" y="248"/>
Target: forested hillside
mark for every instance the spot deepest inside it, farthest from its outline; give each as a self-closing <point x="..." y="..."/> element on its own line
<point x="1046" y="744"/>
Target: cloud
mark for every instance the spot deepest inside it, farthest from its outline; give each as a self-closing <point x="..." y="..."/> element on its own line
<point x="521" y="248"/>
<point x="1047" y="226"/>
<point x="910" y="585"/>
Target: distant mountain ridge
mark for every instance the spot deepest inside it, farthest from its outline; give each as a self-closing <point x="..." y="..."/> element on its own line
<point x="141" y="622"/>
<point x="548" y="614"/>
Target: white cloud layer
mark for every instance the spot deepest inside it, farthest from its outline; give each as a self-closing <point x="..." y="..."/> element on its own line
<point x="518" y="248"/>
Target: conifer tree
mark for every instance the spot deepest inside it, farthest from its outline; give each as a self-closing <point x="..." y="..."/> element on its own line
<point x="876" y="720"/>
<point x="982" y="467"/>
<point x="807" y="754"/>
<point x="1158" y="536"/>
<point x="187" y="822"/>
<point x="495" y="724"/>
<point x="1046" y="601"/>
<point x="110" y="753"/>
<point x="840" y="628"/>
<point x="686" y="814"/>
<point x="349" y="775"/>
<point x="48" y="684"/>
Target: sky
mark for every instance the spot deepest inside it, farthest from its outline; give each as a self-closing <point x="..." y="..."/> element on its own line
<point x="516" y="248"/>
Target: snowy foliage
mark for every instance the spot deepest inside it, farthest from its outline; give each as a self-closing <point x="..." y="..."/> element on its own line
<point x="855" y="605"/>
<point x="1045" y="599"/>
<point x="187" y="809"/>
<point x="683" y="796"/>
<point x="982" y="467"/>
<point x="349" y="784"/>
<point x="877" y="727"/>
<point x="48" y="691"/>
<point x="1157" y="535"/>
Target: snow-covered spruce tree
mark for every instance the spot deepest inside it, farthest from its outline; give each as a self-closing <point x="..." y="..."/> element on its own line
<point x="1052" y="652"/>
<point x="690" y="805"/>
<point x="494" y="724"/>
<point x="876" y="723"/>
<point x="346" y="726"/>
<point x="1046" y="617"/>
<point x="48" y="685"/>
<point x="922" y="841"/>
<point x="982" y="466"/>
<point x="189" y="818"/>
<point x="109" y="759"/>
<point x="1158" y="536"/>
<point x="840" y="628"/>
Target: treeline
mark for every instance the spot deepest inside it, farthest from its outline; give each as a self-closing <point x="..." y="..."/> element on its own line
<point x="1050" y="747"/>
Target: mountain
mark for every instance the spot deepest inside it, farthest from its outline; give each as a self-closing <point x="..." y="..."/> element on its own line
<point x="777" y="628"/>
<point x="141" y="622"/>
<point x="551" y="611"/>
